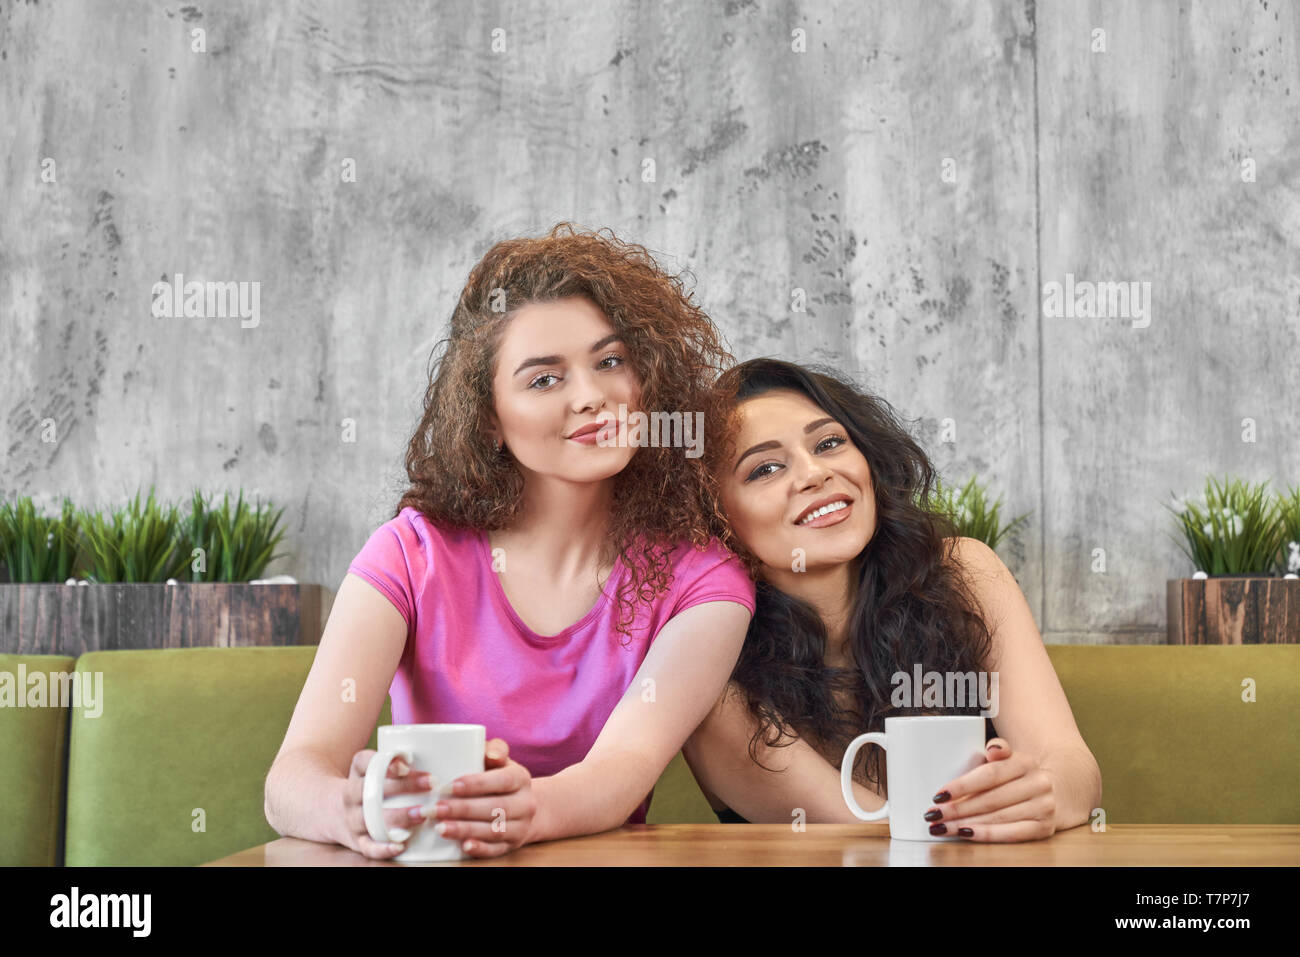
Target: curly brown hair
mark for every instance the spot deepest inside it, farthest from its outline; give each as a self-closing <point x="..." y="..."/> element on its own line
<point x="911" y="604"/>
<point x="662" y="497"/>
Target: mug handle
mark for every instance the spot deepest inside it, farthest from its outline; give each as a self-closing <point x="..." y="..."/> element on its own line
<point x="372" y="793"/>
<point x="846" y="776"/>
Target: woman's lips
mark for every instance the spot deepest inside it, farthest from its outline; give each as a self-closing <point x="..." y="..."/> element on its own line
<point x="589" y="438"/>
<point x="830" y="518"/>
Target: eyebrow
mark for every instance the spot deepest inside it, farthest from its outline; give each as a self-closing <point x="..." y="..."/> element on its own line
<point x="764" y="446"/>
<point x="556" y="360"/>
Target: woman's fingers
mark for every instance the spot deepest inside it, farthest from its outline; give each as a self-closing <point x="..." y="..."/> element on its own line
<point x="997" y="769"/>
<point x="498" y="829"/>
<point x="494" y="810"/>
<point x="399" y="780"/>
<point x="1020" y="808"/>
<point x="489" y="813"/>
<point x="376" y="851"/>
<point x="1004" y="795"/>
<point x="477" y="848"/>
<point x="399" y="821"/>
<point x="414" y="784"/>
<point x="1007" y="833"/>
<point x="1036" y="807"/>
<point x="995" y="749"/>
<point x="419" y="783"/>
<point x="398" y="769"/>
<point x="394" y="817"/>
<point x="495" y="807"/>
<point x="503" y="780"/>
<point x="490" y="796"/>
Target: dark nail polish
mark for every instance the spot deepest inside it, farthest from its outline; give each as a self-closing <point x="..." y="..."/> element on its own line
<point x="940" y="797"/>
<point x="933" y="815"/>
<point x="965" y="832"/>
<point x="938" y="828"/>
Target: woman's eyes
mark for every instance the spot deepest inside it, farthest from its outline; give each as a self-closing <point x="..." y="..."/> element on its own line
<point x="759" y="473"/>
<point x="547" y="375"/>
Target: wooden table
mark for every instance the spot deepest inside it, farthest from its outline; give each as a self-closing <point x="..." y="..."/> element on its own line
<point x="849" y="845"/>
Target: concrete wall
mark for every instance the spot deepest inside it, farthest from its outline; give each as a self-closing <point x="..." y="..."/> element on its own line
<point x="774" y="169"/>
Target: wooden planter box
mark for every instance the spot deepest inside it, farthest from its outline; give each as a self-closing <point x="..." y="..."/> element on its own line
<point x="54" y="619"/>
<point x="1233" y="610"/>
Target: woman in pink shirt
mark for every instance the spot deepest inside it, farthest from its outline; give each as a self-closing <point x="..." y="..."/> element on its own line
<point x="549" y="573"/>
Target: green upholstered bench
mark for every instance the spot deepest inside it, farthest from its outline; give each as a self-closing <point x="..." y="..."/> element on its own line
<point x="1176" y="742"/>
<point x="172" y="772"/>
<point x="197" y="728"/>
<point x="33" y="767"/>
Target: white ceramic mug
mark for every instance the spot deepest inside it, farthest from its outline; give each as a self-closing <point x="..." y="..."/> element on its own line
<point x="922" y="754"/>
<point x="443" y="751"/>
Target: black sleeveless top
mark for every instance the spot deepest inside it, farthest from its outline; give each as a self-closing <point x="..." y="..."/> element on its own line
<point x="728" y="816"/>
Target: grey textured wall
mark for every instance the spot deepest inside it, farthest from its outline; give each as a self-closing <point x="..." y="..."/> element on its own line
<point x="821" y="170"/>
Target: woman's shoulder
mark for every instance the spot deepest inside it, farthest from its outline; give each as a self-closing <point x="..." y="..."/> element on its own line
<point x="410" y="532"/>
<point x="708" y="573"/>
<point x="976" y="559"/>
<point x="415" y="525"/>
<point x="713" y="554"/>
<point x="987" y="577"/>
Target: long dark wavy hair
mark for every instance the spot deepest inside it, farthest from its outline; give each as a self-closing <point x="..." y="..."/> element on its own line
<point x="910" y="603"/>
<point x="662" y="497"/>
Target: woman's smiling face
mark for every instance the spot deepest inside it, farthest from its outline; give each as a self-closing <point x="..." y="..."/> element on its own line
<point x="561" y="366"/>
<point x="792" y="456"/>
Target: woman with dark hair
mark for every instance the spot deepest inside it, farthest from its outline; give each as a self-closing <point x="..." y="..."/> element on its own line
<point x="544" y="575"/>
<point x="827" y="501"/>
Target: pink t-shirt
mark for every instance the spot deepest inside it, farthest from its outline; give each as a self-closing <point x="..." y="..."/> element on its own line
<point x="469" y="659"/>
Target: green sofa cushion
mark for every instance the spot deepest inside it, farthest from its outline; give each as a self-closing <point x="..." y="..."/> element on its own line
<point x="1176" y="742"/>
<point x="181" y="729"/>
<point x="677" y="798"/>
<point x="32" y="766"/>
<point x="198" y="728"/>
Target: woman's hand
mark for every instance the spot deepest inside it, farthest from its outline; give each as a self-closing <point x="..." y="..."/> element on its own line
<point x="491" y="813"/>
<point x="399" y="781"/>
<point x="1008" y="798"/>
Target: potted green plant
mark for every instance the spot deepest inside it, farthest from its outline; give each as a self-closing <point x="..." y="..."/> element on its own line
<point x="971" y="514"/>
<point x="1239" y="592"/>
<point x="35" y="548"/>
<point x="148" y="576"/>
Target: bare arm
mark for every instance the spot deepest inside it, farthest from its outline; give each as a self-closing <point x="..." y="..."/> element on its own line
<point x="1080" y="785"/>
<point x="718" y="755"/>
<point x="1033" y="714"/>
<point x="336" y="711"/>
<point x="686" y="667"/>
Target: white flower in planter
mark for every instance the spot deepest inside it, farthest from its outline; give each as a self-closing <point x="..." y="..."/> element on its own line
<point x="1231" y="524"/>
<point x="1199" y="575"/>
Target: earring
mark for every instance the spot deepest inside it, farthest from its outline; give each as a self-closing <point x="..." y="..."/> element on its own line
<point x="496" y="446"/>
